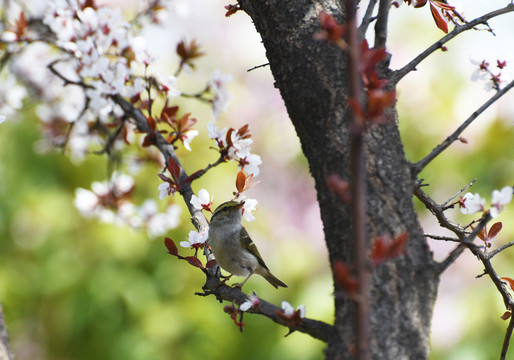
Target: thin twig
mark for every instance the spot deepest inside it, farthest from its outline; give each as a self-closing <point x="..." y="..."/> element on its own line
<point x="367" y="18"/>
<point x="491" y="254"/>
<point x="420" y="165"/>
<point x="466" y="241"/>
<point x="506" y="340"/>
<point x="440" y="237"/>
<point x="257" y="67"/>
<point x="443" y="205"/>
<point x="399" y="74"/>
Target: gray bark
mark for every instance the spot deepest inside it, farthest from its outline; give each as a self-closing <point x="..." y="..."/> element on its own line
<point x="312" y="77"/>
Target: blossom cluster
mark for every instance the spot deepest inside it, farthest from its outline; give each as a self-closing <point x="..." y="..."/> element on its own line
<point x="473" y="203"/>
<point x="236" y="145"/>
<point x="491" y="72"/>
<point x="110" y="202"/>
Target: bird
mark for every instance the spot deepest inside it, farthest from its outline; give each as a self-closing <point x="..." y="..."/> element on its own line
<point x="234" y="250"/>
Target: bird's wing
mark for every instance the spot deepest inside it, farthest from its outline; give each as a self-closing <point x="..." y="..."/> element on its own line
<point x="249" y="245"/>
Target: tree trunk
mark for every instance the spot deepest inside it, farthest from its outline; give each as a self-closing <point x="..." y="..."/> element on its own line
<point x="313" y="80"/>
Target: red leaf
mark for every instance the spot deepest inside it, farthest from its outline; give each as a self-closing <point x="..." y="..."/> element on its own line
<point x="506" y="315"/>
<point x="420" y="3"/>
<point x="240" y="181"/>
<point x="244" y="132"/>
<point x="439" y="21"/>
<point x="165" y="178"/>
<point x="170" y="245"/>
<point x="509" y="281"/>
<point x="194" y="175"/>
<point x="482" y="235"/>
<point x="356" y="107"/>
<point x="340" y="187"/>
<point x="151" y="123"/>
<point x="211" y="263"/>
<point x="379" y="250"/>
<point x="174" y="170"/>
<point x="345" y="278"/>
<point x="443" y="5"/>
<point x="494" y="230"/>
<point x="385" y="249"/>
<point x="397" y="247"/>
<point x="194" y="261"/>
<point x="229" y="137"/>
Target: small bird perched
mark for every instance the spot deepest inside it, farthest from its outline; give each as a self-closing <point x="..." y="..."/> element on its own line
<point x="235" y="252"/>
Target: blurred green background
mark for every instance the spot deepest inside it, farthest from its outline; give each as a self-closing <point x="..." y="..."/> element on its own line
<point x="74" y="288"/>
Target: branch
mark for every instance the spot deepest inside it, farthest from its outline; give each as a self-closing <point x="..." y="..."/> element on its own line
<point x="420" y="165"/>
<point x="381" y="24"/>
<point x="506" y="340"/>
<point x="399" y="74"/>
<point x="466" y="241"/>
<point x="317" y="329"/>
<point x="358" y="202"/>
<point x="168" y="151"/>
<point x="367" y="18"/>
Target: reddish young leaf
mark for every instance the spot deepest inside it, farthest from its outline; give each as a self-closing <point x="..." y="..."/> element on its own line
<point x="340" y="187"/>
<point x="165" y="178"/>
<point x="509" y="281"/>
<point x="482" y="235"/>
<point x="494" y="230"/>
<point x="211" y="263"/>
<point x="419" y="3"/>
<point x="194" y="261"/>
<point x="443" y="5"/>
<point x="439" y="21"/>
<point x="174" y="170"/>
<point x="244" y="132"/>
<point x="379" y="250"/>
<point x="151" y="123"/>
<point x="384" y="249"/>
<point x="194" y="175"/>
<point x="170" y="245"/>
<point x="345" y="278"/>
<point x="506" y="315"/>
<point x="229" y="137"/>
<point x="332" y="31"/>
<point x="240" y="181"/>
<point x="397" y="247"/>
<point x="89" y="3"/>
<point x="232" y="9"/>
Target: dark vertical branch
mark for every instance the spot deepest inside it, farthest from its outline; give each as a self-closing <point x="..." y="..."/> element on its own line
<point x="381" y="24"/>
<point x="366" y="20"/>
<point x="358" y="172"/>
<point x="506" y="340"/>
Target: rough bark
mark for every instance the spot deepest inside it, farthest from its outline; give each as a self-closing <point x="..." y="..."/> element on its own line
<point x="313" y="80"/>
<point x="5" y="350"/>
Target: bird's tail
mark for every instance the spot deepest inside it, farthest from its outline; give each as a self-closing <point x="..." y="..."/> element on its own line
<point x="273" y="280"/>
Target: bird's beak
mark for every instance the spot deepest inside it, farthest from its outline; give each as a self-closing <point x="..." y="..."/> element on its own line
<point x="241" y="204"/>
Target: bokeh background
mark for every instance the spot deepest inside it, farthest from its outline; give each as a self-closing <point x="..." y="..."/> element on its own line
<point x="74" y="288"/>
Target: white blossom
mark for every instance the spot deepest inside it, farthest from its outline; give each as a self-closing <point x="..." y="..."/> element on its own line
<point x="202" y="200"/>
<point x="289" y="310"/>
<point x="188" y="137"/>
<point x="500" y="198"/>
<point x="251" y="301"/>
<point x="164" y="190"/>
<point x="470" y="204"/>
<point x="222" y="97"/>
<point x="249" y="206"/>
<point x="195" y="238"/>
